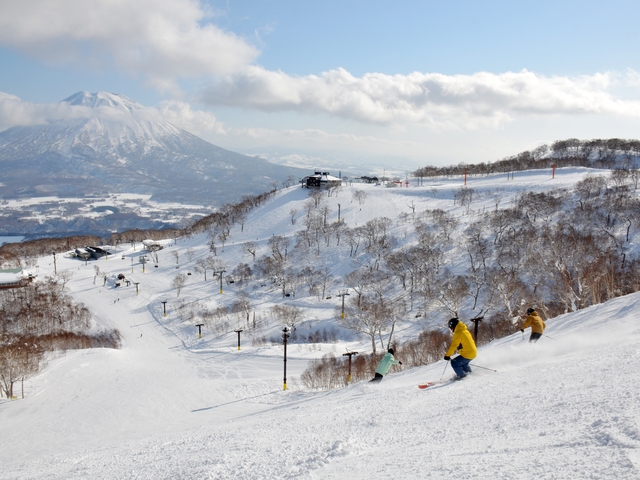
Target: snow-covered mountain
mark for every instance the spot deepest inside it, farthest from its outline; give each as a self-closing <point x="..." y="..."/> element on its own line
<point x="107" y="143"/>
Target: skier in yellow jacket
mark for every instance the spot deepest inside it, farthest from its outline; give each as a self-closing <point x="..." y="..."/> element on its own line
<point x="463" y="344"/>
<point x="536" y="323"/>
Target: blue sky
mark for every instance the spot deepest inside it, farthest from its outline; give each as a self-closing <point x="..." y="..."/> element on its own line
<point x="403" y="84"/>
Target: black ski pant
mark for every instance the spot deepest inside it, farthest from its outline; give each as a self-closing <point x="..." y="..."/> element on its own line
<point x="534" y="337"/>
<point x="376" y="379"/>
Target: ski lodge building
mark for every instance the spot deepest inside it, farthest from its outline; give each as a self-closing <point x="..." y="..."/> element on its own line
<point x="14" y="278"/>
<point x="152" y="245"/>
<point x="321" y="180"/>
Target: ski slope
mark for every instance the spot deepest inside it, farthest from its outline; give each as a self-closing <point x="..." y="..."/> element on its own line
<point x="172" y="405"/>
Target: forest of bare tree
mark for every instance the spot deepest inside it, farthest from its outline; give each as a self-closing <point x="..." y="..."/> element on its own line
<point x="37" y="319"/>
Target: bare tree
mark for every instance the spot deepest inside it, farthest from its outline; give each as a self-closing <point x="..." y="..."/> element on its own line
<point x="212" y="243"/>
<point x="465" y="197"/>
<point x="65" y="276"/>
<point x="444" y="222"/>
<point x="353" y="237"/>
<point x="334" y="190"/>
<point x="201" y="267"/>
<point x="279" y="247"/>
<point x="293" y="212"/>
<point x="241" y="219"/>
<point x="190" y="253"/>
<point x="18" y="362"/>
<point x="223" y="236"/>
<point x="507" y="291"/>
<point x="215" y="264"/>
<point x="244" y="305"/>
<point x="453" y="292"/>
<point x="325" y="211"/>
<point x="360" y="196"/>
<point x="478" y="250"/>
<point x="316" y="196"/>
<point x="620" y="178"/>
<point x="309" y="205"/>
<point x="412" y="206"/>
<point x="290" y="315"/>
<point x="178" y="282"/>
<point x="367" y="315"/>
<point x="241" y="273"/>
<point x="250" y="247"/>
<point x="325" y="280"/>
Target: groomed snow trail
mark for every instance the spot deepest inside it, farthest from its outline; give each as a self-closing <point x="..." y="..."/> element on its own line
<point x="563" y="408"/>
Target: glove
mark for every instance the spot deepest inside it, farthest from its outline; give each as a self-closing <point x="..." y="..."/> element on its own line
<point x="447" y="358"/>
<point x="400" y="363"/>
<point x="522" y="330"/>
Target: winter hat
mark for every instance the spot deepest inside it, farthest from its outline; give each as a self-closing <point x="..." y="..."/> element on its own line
<point x="391" y="351"/>
<point x="453" y="323"/>
<point x="530" y="311"/>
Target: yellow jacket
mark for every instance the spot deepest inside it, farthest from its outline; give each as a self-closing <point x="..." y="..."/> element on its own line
<point x="462" y="336"/>
<point x="535" y="322"/>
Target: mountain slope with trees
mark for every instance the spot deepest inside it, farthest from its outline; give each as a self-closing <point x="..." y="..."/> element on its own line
<point x="173" y="404"/>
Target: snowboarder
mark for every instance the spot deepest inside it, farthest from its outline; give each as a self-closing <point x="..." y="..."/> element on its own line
<point x="536" y="323"/>
<point x="463" y="344"/>
<point x="385" y="365"/>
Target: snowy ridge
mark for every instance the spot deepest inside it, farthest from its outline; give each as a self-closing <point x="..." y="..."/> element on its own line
<point x="100" y="99"/>
<point x="172" y="405"/>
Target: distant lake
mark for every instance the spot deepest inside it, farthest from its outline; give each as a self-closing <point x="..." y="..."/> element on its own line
<point x="12" y="239"/>
<point x="106" y="208"/>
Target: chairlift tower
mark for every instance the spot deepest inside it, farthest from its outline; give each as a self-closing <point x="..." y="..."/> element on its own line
<point x="349" y="354"/>
<point x="219" y="272"/>
<point x="285" y="335"/>
<point x="342" y="294"/>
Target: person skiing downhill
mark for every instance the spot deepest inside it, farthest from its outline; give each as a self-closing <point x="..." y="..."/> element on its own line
<point x="385" y="365"/>
<point x="463" y="344"/>
<point x="536" y="323"/>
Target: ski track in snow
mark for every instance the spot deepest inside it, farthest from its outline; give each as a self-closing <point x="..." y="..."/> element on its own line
<point x="171" y="405"/>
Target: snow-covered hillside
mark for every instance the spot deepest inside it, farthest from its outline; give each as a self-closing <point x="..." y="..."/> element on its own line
<point x="172" y="405"/>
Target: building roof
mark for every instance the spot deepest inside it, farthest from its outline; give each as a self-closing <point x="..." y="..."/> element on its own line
<point x="10" y="276"/>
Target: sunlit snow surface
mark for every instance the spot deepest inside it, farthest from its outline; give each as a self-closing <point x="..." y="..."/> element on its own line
<point x="172" y="405"/>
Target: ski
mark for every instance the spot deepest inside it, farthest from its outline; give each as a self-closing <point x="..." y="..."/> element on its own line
<point x="432" y="384"/>
<point x="437" y="384"/>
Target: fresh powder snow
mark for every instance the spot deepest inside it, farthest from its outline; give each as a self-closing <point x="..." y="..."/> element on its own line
<point x="170" y="404"/>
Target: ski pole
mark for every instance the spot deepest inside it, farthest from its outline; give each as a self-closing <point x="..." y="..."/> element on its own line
<point x="545" y="335"/>
<point x="445" y="368"/>
<point x="478" y="366"/>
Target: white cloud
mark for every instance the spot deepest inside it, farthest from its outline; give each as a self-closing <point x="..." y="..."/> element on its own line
<point x="468" y="101"/>
<point x="197" y="122"/>
<point x="161" y="39"/>
<point x="14" y="112"/>
<point x="314" y="138"/>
